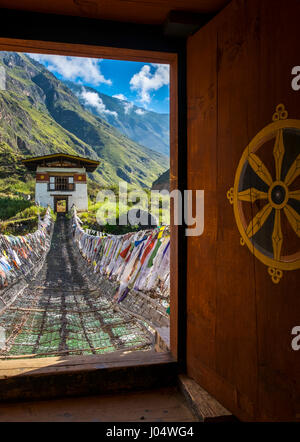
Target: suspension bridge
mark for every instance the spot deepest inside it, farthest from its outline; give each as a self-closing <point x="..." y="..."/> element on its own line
<point x="66" y="308"/>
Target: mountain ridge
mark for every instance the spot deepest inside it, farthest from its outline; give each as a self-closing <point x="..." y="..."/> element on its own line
<point x="145" y="127"/>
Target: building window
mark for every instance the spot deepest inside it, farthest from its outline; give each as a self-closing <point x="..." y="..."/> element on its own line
<point x="52" y="183"/>
<point x="61" y="183"/>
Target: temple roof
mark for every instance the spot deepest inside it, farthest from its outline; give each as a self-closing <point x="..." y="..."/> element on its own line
<point x="60" y="160"/>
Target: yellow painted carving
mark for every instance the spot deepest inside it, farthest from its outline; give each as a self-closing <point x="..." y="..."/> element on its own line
<point x="260" y="169"/>
<point x="294" y="219"/>
<point x="275" y="274"/>
<point x="274" y="131"/>
<point x="294" y="172"/>
<point x="279" y="151"/>
<point x="277" y="237"/>
<point x="258" y="221"/>
<point x="230" y="196"/>
<point x="284" y="203"/>
<point x="252" y="195"/>
<point x="295" y="195"/>
<point x="281" y="113"/>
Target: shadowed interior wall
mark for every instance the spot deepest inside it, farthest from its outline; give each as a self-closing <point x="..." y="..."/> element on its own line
<point x="239" y="322"/>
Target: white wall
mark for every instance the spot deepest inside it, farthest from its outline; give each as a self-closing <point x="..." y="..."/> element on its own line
<point x="79" y="197"/>
<point x="78" y="170"/>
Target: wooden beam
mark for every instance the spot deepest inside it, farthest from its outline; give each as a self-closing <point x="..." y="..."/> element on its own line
<point x="48" y="378"/>
<point x="206" y="408"/>
<point x="83" y="50"/>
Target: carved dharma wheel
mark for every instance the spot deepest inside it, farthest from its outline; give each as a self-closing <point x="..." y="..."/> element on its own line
<point x="266" y="195"/>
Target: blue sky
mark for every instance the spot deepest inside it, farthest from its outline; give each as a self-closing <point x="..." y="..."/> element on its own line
<point x="144" y="84"/>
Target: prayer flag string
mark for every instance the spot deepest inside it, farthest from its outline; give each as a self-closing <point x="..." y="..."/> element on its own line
<point x="137" y="260"/>
<point x="19" y="254"/>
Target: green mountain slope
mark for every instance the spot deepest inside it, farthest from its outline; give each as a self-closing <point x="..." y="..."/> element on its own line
<point x="40" y="115"/>
<point x="145" y="127"/>
<point x="162" y="182"/>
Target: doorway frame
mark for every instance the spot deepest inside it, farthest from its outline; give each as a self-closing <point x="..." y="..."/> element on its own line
<point x="57" y="198"/>
<point x="173" y="54"/>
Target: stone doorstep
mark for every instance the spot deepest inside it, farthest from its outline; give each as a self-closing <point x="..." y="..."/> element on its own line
<point x="53" y="377"/>
<point x="162" y="339"/>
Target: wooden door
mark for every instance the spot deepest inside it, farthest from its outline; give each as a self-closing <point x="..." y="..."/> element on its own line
<point x="242" y="302"/>
<point x="61" y="204"/>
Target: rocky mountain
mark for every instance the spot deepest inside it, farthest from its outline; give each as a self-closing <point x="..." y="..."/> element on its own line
<point x="40" y="115"/>
<point x="145" y="127"/>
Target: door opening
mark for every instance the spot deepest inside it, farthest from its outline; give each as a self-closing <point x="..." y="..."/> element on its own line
<point x="61" y="204"/>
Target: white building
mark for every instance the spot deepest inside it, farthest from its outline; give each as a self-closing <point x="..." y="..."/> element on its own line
<point x="61" y="180"/>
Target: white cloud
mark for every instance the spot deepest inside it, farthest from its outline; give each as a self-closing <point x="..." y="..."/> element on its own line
<point x="140" y="112"/>
<point x="144" y="81"/>
<point x="93" y="99"/>
<point x="127" y="104"/>
<point x="71" y="68"/>
<point x="128" y="107"/>
<point x="120" y="97"/>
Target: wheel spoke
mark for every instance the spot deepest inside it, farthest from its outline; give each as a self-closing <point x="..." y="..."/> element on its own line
<point x="258" y="221"/>
<point x="294" y="219"/>
<point x="277" y="237"/>
<point x="260" y="169"/>
<point x="251" y="195"/>
<point x="295" y="195"/>
<point x="279" y="151"/>
<point x="294" y="172"/>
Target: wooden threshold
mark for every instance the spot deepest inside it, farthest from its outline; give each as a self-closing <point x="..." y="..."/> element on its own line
<point x="65" y="376"/>
<point x="47" y="378"/>
<point x="206" y="408"/>
<point x="85" y="50"/>
<point x="145" y="56"/>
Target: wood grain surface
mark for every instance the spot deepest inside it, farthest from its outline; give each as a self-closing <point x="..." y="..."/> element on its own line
<point x="239" y="323"/>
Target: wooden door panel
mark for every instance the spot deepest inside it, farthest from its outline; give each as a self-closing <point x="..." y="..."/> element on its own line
<point x="239" y="322"/>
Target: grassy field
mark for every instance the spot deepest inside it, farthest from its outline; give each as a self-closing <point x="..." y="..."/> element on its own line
<point x="11" y="206"/>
